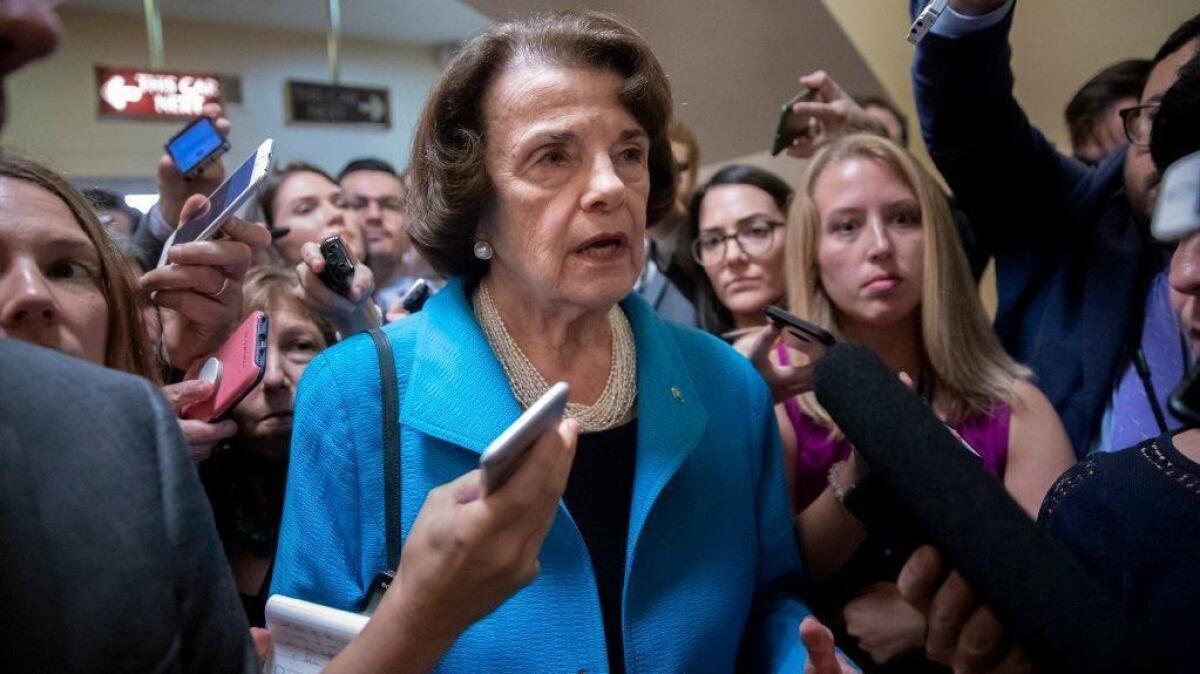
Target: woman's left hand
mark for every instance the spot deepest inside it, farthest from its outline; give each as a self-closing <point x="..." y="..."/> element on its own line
<point x="785" y="381"/>
<point x="201" y="436"/>
<point x="885" y="625"/>
<point x="350" y="313"/>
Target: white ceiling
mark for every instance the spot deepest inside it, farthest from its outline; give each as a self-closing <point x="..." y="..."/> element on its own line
<point x="419" y="21"/>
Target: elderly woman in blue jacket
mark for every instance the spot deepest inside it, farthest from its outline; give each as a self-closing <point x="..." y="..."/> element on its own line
<point x="539" y="157"/>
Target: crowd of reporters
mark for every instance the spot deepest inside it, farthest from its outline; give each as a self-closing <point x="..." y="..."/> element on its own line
<point x="689" y="515"/>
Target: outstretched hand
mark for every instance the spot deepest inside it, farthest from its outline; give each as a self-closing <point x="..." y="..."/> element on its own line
<point x="784" y="381"/>
<point x="962" y="634"/>
<point x="352" y="313"/>
<point x="200" y="289"/>
<point x="202" y="436"/>
<point x="833" y="115"/>
<point x="174" y="190"/>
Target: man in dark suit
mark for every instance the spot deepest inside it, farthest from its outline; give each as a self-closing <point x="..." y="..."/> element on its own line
<point x="1075" y="264"/>
<point x="111" y="557"/>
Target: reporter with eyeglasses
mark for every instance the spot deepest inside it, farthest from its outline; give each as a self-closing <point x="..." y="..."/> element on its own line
<point x="1083" y="295"/>
<point x="375" y="196"/>
<point x="737" y="223"/>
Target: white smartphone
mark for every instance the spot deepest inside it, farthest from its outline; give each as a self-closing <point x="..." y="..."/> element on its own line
<point x="505" y="454"/>
<point x="229" y="199"/>
<point x="1178" y="212"/>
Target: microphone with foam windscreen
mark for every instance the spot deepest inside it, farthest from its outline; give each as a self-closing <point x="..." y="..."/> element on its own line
<point x="1065" y="621"/>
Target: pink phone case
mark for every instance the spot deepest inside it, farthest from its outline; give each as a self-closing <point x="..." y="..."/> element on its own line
<point x="243" y="360"/>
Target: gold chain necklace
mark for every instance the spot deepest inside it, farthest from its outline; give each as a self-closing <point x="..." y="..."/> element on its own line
<point x="615" y="404"/>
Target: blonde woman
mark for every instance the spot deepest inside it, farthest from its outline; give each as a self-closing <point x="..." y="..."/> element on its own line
<point x="874" y="257"/>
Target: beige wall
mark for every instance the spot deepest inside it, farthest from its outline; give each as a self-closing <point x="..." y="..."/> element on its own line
<point x="1057" y="45"/>
<point x="731" y="64"/>
<point x="52" y="107"/>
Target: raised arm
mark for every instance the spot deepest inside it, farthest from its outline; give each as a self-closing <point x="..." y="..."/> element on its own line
<point x="1008" y="178"/>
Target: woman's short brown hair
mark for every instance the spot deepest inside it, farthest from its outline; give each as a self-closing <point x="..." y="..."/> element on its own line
<point x="270" y="288"/>
<point x="450" y="184"/>
<point x="128" y="346"/>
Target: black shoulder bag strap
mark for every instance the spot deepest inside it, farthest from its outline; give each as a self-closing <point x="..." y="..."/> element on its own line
<point x="389" y="390"/>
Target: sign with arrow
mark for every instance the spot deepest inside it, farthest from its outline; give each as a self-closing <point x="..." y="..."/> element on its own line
<point x="317" y="103"/>
<point x="134" y="93"/>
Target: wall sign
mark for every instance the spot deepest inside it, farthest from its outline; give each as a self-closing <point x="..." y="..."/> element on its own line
<point x="317" y="103"/>
<point x="135" y="93"/>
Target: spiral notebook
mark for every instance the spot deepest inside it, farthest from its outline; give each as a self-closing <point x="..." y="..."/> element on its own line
<point x="307" y="636"/>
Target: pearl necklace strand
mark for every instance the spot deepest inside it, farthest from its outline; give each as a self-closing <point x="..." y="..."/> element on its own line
<point x="615" y="404"/>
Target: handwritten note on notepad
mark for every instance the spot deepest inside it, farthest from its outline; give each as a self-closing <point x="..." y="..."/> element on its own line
<point x="307" y="636"/>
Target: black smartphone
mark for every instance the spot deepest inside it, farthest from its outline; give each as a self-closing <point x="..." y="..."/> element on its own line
<point x="791" y="126"/>
<point x="339" y="265"/>
<point x="415" y="298"/>
<point x="1185" y="399"/>
<point x="799" y="334"/>
<point x="199" y="144"/>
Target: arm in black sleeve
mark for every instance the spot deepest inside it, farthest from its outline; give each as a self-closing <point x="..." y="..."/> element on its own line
<point x="1008" y="178"/>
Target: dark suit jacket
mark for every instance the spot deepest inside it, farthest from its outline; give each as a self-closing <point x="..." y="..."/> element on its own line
<point x="1072" y="266"/>
<point x="109" y="560"/>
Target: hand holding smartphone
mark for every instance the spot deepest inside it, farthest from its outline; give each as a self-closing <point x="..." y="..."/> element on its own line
<point x="199" y="144"/>
<point x="800" y="334"/>
<point x="339" y="265"/>
<point x="501" y="458"/>
<point x="238" y="190"/>
<point x="236" y="368"/>
<point x="791" y="126"/>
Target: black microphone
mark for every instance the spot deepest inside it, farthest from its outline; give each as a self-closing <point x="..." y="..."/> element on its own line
<point x="1046" y="600"/>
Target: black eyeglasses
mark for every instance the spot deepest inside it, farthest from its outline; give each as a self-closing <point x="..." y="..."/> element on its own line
<point x="359" y="202"/>
<point x="754" y="239"/>
<point x="1138" y="121"/>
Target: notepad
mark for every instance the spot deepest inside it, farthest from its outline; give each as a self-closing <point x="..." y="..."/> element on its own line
<point x="307" y="636"/>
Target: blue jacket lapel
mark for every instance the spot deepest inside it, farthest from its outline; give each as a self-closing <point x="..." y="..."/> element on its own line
<point x="458" y="392"/>
<point x="671" y="416"/>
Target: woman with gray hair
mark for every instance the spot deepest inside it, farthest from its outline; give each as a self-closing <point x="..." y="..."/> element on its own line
<point x="540" y="156"/>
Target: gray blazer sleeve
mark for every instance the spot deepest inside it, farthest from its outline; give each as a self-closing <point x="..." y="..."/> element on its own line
<point x="216" y="637"/>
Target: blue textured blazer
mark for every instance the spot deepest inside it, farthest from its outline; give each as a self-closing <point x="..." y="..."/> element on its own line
<point x="712" y="556"/>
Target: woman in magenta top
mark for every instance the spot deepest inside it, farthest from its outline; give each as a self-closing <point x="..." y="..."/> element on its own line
<point x="874" y="257"/>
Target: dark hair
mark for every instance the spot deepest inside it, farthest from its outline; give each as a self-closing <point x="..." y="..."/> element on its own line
<point x="881" y="102"/>
<point x="714" y="316"/>
<point x="105" y="200"/>
<point x="1185" y="33"/>
<point x="1176" y="131"/>
<point x="367" y="164"/>
<point x="129" y="348"/>
<point x="1123" y="79"/>
<point x="99" y="198"/>
<point x="451" y="188"/>
<point x="266" y="200"/>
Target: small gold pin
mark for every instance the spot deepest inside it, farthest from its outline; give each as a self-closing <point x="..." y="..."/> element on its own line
<point x="677" y="394"/>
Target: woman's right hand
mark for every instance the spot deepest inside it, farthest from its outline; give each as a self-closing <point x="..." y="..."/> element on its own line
<point x="835" y="114"/>
<point x="350" y="314"/>
<point x="784" y="381"/>
<point x="201" y="436"/>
